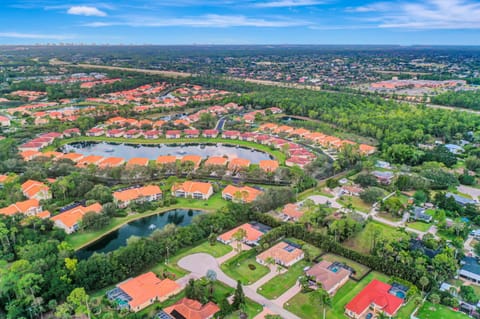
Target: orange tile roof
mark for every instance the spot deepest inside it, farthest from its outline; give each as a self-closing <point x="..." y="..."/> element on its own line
<point x="75" y="157"/>
<point x="26" y="155"/>
<point x="3" y="178"/>
<point x="141" y="161"/>
<point x="74" y="215"/>
<point x="238" y="163"/>
<point x="134" y="193"/>
<point x="193" y="187"/>
<point x="366" y="149"/>
<point x="268" y="126"/>
<point x="278" y="252"/>
<point x="292" y="211"/>
<point x="252" y="234"/>
<point x="31" y="188"/>
<point x="111" y="162"/>
<point x="91" y="159"/>
<point x="9" y="211"/>
<point x="166" y="159"/>
<point x="24" y="206"/>
<point x="44" y="214"/>
<point x="192" y="309"/>
<point x="196" y="159"/>
<point x="248" y="194"/>
<point x="216" y="160"/>
<point x="52" y="154"/>
<point x="268" y="165"/>
<point x="146" y="287"/>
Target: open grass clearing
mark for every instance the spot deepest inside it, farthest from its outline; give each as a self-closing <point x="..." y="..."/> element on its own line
<point x="431" y="311"/>
<point x="279" y="284"/>
<point x="243" y="267"/>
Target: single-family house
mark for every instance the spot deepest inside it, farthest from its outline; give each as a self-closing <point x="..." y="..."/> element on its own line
<point x="191" y="133"/>
<point x="30" y="207"/>
<point x="383" y="177"/>
<point x="111" y="162"/>
<point x="331" y="276"/>
<point x="418" y="213"/>
<point x="36" y="190"/>
<point x="216" y="161"/>
<point x="195" y="159"/>
<point x="268" y="166"/>
<point x="189" y="309"/>
<point x="137" y="161"/>
<point x="375" y="297"/>
<point x="166" y="159"/>
<point x="140" y="292"/>
<point x="454" y="149"/>
<point x="461" y="200"/>
<point x="152" y="134"/>
<point x="253" y="232"/>
<point x="210" y="133"/>
<point x="470" y="269"/>
<point x="238" y="163"/>
<point x="4" y="121"/>
<point x="173" y="134"/>
<point x="284" y="254"/>
<point x="191" y="189"/>
<point x="74" y="157"/>
<point x="292" y="212"/>
<point x="232" y="135"/>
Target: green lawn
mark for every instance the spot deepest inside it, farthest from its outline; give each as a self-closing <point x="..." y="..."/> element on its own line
<point x="407" y="309"/>
<point x="421" y="226"/>
<point x="431" y="311"/>
<point x="84" y="238"/>
<point x="360" y="269"/>
<point x="389" y="217"/>
<point x="362" y="241"/>
<point x="279" y="284"/>
<point x="264" y="148"/>
<point x="237" y="268"/>
<point x="356" y="202"/>
<point x="302" y="305"/>
<point x="216" y="251"/>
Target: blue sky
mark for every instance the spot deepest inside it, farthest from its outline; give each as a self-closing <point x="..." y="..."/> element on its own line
<point x="404" y="22"/>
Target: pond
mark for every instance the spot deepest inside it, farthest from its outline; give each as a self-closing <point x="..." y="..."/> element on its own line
<point x="128" y="151"/>
<point x="141" y="228"/>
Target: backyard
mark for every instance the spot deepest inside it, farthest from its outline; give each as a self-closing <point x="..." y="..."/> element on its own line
<point x="431" y="311"/>
<point x="243" y="267"/>
<point x="360" y="270"/>
<point x="279" y="284"/>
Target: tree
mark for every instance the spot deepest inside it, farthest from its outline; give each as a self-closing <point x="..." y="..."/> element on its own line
<point x="366" y="180"/>
<point x="372" y="195"/>
<point x="78" y="299"/>
<point x="434" y="298"/>
<point x="238" y="297"/>
<point x="393" y="205"/>
<point x="239" y="236"/>
<point x="423" y="281"/>
<point x="322" y="297"/>
<point x="468" y="294"/>
<point x="100" y="193"/>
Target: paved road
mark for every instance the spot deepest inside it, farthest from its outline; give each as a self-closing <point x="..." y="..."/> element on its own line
<point x="220" y="124"/>
<point x="199" y="264"/>
<point x="474" y="192"/>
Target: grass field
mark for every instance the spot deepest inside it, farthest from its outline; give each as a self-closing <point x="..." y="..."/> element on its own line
<point x="360" y="269"/>
<point x="237" y="268"/>
<point x="421" y="226"/>
<point x="279" y="284"/>
<point x="356" y="202"/>
<point x="362" y="242"/>
<point x="431" y="311"/>
<point x="302" y="305"/>
<point x="264" y="148"/>
<point x="216" y="251"/>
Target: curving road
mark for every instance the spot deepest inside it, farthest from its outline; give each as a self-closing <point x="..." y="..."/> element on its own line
<point x="198" y="264"/>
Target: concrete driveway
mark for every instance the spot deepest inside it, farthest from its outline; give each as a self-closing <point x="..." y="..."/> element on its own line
<point x="199" y="264"/>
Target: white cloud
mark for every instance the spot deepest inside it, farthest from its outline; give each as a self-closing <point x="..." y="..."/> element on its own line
<point x="209" y="20"/>
<point x="373" y="7"/>
<point x="86" y="11"/>
<point x="287" y="3"/>
<point x="40" y="36"/>
<point x="427" y="14"/>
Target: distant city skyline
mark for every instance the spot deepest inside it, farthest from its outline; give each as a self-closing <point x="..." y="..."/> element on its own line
<point x="172" y="22"/>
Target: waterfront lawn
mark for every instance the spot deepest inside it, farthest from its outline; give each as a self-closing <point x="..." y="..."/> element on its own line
<point x="279" y="284"/>
<point x="83" y="238"/>
<point x="302" y="305"/>
<point x="238" y="267"/>
<point x="217" y="250"/>
<point x="360" y="269"/>
<point x="214" y="202"/>
<point x="362" y="241"/>
<point x="431" y="311"/>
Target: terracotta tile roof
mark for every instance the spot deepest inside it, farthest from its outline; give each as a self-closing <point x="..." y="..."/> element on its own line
<point x="20" y="207"/>
<point x="268" y="165"/>
<point x="31" y="188"/>
<point x="282" y="252"/>
<point x="192" y="309"/>
<point x="327" y="278"/>
<point x="73" y="156"/>
<point x="196" y="159"/>
<point x="71" y="217"/>
<point x="134" y="193"/>
<point x="3" y="178"/>
<point x="252" y="233"/>
<point x="141" y="161"/>
<point x="247" y="194"/>
<point x="238" y="163"/>
<point x="193" y="187"/>
<point x="292" y="211"/>
<point x="91" y="159"/>
<point x="166" y="159"/>
<point x="148" y="286"/>
<point x="44" y="214"/>
<point x="376" y="292"/>
<point x="52" y="154"/>
<point x="111" y="162"/>
<point x="216" y="160"/>
<point x="26" y="155"/>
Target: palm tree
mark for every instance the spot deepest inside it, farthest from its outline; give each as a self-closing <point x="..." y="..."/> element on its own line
<point x="321" y="296"/>
<point x="239" y="236"/>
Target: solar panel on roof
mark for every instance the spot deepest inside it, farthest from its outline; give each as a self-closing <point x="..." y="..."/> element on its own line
<point x="289" y="248"/>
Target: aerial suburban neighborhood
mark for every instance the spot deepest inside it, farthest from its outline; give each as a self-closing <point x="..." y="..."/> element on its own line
<point x="238" y="181"/>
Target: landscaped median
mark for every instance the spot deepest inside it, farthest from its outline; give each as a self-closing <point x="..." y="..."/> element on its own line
<point x="243" y="267"/>
<point x="281" y="157"/>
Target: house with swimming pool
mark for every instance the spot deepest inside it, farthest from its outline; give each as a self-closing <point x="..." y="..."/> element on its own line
<point x="330" y="276"/>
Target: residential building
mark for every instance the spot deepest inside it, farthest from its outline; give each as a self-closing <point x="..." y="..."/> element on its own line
<point x="36" y="190"/>
<point x="90" y="160"/>
<point x="111" y="162"/>
<point x="125" y="197"/>
<point x="383" y="177"/>
<point x="284" y="254"/>
<point x="195" y="159"/>
<point x="461" y="200"/>
<point x="191" y="189"/>
<point x="375" y="297"/>
<point x="330" y="276"/>
<point x="191" y="133"/>
<point x="253" y="232"/>
<point x="238" y="163"/>
<point x="454" y="149"/>
<point x="232" y="135"/>
<point x="74" y="157"/>
<point x="4" y="121"/>
<point x="190" y="309"/>
<point x="210" y="133"/>
<point x="96" y="131"/>
<point x="137" y="161"/>
<point x="268" y="166"/>
<point x="173" y="134"/>
<point x="245" y="194"/>
<point x="30" y="207"/>
<point x="418" y="213"/>
<point x="166" y="159"/>
<point x="140" y="292"/>
<point x="470" y="269"/>
<point x="292" y="212"/>
<point x="70" y="217"/>
<point x="216" y="161"/>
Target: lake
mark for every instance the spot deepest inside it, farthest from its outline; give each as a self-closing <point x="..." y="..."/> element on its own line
<point x="141" y="228"/>
<point x="128" y="151"/>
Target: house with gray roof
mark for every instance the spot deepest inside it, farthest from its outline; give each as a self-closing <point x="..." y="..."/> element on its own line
<point x="418" y="213"/>
<point x="470" y="269"/>
<point x="461" y="200"/>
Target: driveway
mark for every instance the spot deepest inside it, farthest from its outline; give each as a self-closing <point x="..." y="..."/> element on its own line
<point x="199" y="264"/>
<point x="474" y="192"/>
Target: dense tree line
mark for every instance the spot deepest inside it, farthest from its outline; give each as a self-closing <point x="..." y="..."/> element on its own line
<point x="466" y="99"/>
